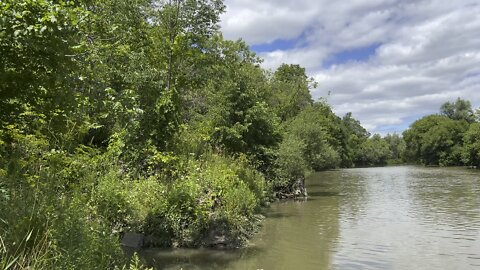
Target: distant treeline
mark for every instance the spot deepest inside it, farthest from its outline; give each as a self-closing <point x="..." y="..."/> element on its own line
<point x="450" y="138"/>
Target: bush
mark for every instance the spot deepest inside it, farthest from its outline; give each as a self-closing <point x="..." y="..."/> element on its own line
<point x="471" y="147"/>
<point x="216" y="190"/>
<point x="290" y="163"/>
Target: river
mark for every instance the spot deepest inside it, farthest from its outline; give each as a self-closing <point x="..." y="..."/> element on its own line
<point x="374" y="218"/>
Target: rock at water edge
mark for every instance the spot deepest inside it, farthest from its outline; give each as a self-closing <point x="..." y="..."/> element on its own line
<point x="132" y="240"/>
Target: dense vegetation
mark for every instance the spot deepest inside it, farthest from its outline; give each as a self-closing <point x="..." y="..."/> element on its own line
<point x="120" y="116"/>
<point x="450" y="138"/>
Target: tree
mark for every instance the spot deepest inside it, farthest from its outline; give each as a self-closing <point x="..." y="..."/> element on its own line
<point x="471" y="147"/>
<point x="40" y="87"/>
<point x="397" y="147"/>
<point x="356" y="135"/>
<point x="314" y="128"/>
<point x="290" y="89"/>
<point x="435" y="140"/>
<point x="374" y="151"/>
<point x="240" y="119"/>
<point x="459" y="110"/>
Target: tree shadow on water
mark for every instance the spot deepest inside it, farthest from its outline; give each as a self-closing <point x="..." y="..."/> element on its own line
<point x="202" y="258"/>
<point x="322" y="185"/>
<point x="280" y="215"/>
<point x="323" y="194"/>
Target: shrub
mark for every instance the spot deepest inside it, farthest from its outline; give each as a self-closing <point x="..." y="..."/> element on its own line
<point x="290" y="164"/>
<point x="217" y="194"/>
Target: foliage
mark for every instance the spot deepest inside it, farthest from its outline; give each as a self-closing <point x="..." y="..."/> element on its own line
<point x="290" y="164"/>
<point x="471" y="147"/>
<point x="134" y="264"/>
<point x="21" y="256"/>
<point x="243" y="122"/>
<point x="374" y="151"/>
<point x="216" y="189"/>
<point x="446" y="140"/>
<point x="433" y="139"/>
<point x="119" y="116"/>
<point x="459" y="110"/>
<point x="396" y="145"/>
<point x="315" y="128"/>
<point x="37" y="70"/>
<point x="43" y="205"/>
<point x="290" y="91"/>
<point x="354" y="136"/>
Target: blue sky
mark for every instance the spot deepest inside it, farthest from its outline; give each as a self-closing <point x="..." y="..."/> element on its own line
<point x="389" y="62"/>
<point x="361" y="54"/>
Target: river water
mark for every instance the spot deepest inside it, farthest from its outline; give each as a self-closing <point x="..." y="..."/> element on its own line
<point x="376" y="218"/>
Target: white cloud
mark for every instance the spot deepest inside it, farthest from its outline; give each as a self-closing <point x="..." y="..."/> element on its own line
<point x="429" y="51"/>
<point x="260" y="22"/>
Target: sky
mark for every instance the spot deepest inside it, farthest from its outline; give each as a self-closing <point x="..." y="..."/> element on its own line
<point x="389" y="62"/>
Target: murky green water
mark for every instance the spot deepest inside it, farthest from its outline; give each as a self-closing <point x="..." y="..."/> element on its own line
<point x="376" y="218"/>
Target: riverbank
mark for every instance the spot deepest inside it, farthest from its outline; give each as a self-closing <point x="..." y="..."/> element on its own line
<point x="433" y="212"/>
<point x="219" y="233"/>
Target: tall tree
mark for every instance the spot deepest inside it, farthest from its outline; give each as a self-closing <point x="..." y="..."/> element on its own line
<point x="355" y="135"/>
<point x="459" y="110"/>
<point x="290" y="91"/>
<point x="397" y="146"/>
<point x="318" y="129"/>
<point x="435" y="140"/>
<point x="471" y="148"/>
<point x="39" y="79"/>
<point x="243" y="121"/>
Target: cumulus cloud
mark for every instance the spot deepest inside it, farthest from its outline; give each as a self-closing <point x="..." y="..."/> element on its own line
<point x="426" y="51"/>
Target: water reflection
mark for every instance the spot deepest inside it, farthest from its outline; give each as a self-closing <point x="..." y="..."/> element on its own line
<point x="413" y="218"/>
<point x="378" y="218"/>
<point x="447" y="196"/>
<point x="197" y="258"/>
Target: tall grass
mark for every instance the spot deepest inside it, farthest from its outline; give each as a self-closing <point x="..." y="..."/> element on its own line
<point x="32" y="252"/>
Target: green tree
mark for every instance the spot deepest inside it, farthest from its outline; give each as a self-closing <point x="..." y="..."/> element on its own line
<point x="397" y="147"/>
<point x="40" y="87"/>
<point x="229" y="111"/>
<point x="290" y="164"/>
<point x="435" y="140"/>
<point x="374" y="151"/>
<point x="356" y="135"/>
<point x="290" y="89"/>
<point x="314" y="127"/>
<point x="471" y="148"/>
<point x="459" y="110"/>
<point x="246" y="123"/>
